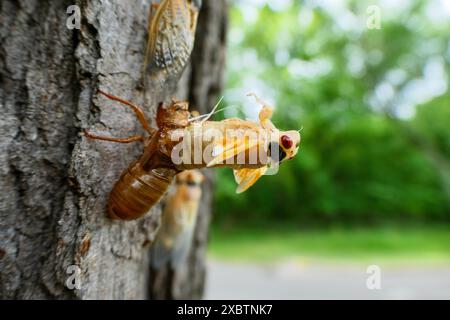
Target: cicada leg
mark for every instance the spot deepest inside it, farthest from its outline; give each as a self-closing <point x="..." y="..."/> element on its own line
<point x="265" y="114"/>
<point x="137" y="111"/>
<point x="110" y="139"/>
<point x="139" y="114"/>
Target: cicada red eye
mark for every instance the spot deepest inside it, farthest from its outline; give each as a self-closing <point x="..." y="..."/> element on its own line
<point x="286" y="142"/>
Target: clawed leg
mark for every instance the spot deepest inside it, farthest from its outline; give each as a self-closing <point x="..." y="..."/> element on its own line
<point x="110" y="139"/>
<point x="137" y="111"/>
<point x="139" y="114"/>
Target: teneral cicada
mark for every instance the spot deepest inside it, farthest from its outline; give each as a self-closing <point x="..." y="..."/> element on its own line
<point x="179" y="217"/>
<point x="171" y="35"/>
<point x="183" y="142"/>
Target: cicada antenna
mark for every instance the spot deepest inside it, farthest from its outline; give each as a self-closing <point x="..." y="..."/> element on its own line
<point x="208" y="115"/>
<point x="216" y="112"/>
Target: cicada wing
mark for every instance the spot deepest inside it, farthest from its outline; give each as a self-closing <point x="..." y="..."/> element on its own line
<point x="232" y="149"/>
<point x="171" y="36"/>
<point x="245" y="178"/>
<point x="153" y="18"/>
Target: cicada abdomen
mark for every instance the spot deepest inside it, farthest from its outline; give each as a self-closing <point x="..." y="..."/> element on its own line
<point x="137" y="191"/>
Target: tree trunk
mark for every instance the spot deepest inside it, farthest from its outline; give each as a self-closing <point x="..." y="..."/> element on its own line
<point x="55" y="240"/>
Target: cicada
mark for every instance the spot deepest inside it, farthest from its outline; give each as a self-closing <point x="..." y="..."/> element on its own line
<point x="183" y="142"/>
<point x="179" y="218"/>
<point x="171" y="35"/>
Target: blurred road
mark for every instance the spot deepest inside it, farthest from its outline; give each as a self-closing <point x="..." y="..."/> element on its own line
<point x="295" y="280"/>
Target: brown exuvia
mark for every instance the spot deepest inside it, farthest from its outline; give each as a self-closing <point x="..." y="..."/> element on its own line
<point x="143" y="184"/>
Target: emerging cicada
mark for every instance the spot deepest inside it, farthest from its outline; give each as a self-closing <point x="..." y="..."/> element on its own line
<point x="171" y="35"/>
<point x="179" y="218"/>
<point x="182" y="142"/>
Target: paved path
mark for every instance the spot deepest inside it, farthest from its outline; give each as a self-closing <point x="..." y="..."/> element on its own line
<point x="294" y="280"/>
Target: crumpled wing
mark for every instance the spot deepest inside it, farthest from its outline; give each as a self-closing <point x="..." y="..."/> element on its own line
<point x="232" y="149"/>
<point x="245" y="178"/>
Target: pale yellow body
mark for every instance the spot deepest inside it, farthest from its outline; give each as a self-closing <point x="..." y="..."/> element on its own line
<point x="248" y="147"/>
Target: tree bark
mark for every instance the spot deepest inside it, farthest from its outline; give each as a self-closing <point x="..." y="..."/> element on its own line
<point x="55" y="183"/>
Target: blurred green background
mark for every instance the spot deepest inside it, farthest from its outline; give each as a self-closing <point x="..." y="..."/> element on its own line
<point x="372" y="176"/>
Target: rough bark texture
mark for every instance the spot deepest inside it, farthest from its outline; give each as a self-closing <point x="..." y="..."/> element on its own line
<point x="54" y="183"/>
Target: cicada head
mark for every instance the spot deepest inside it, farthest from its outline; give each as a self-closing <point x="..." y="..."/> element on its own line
<point x="290" y="142"/>
<point x="286" y="147"/>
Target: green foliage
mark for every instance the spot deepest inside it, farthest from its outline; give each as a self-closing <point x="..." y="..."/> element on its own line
<point x="433" y="121"/>
<point x="430" y="244"/>
<point x="354" y="164"/>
